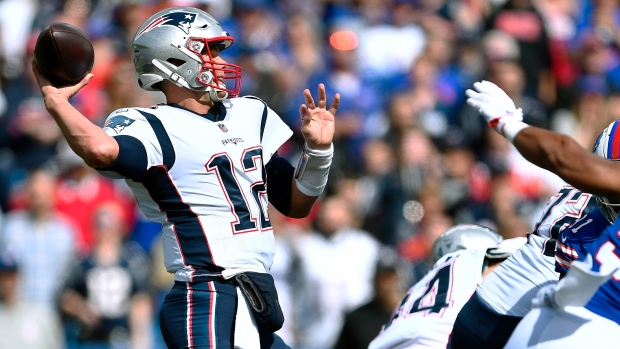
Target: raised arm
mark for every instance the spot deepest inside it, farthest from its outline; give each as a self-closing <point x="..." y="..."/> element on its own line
<point x="311" y="173"/>
<point x="86" y="139"/>
<point x="552" y="151"/>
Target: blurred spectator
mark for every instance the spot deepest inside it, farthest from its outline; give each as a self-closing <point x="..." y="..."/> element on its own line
<point x="304" y="44"/>
<point x="28" y="134"/>
<point x="498" y="46"/>
<point x="24" y="324"/>
<point x="417" y="249"/>
<point x="301" y="58"/>
<point x="509" y="76"/>
<point x="82" y="190"/>
<point x="377" y="191"/>
<point x="402" y="113"/>
<point x="337" y="263"/>
<point x="106" y="294"/>
<point x="359" y="113"/>
<point x="259" y="27"/>
<point x="465" y="182"/>
<point x="445" y="87"/>
<point x="425" y="94"/>
<point x="468" y="16"/>
<point x="123" y="90"/>
<point x="42" y="239"/>
<point x="16" y="17"/>
<point x="284" y="271"/>
<point x="560" y="19"/>
<point x="389" y="48"/>
<point x="161" y="282"/>
<point x="521" y="20"/>
<point x="363" y="324"/>
<point x="508" y="205"/>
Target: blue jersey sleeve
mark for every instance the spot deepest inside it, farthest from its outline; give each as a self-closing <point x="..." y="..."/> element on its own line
<point x="131" y="161"/>
<point x="573" y="241"/>
<point x="605" y="259"/>
<point x="141" y="142"/>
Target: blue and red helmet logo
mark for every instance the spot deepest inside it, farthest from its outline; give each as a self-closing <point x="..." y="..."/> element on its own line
<point x="181" y="20"/>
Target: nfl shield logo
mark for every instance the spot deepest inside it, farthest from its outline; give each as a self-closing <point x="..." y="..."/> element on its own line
<point x="222" y="127"/>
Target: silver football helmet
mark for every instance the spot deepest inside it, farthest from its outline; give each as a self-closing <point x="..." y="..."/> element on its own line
<point x="465" y="237"/>
<point x="607" y="146"/>
<point x="175" y="45"/>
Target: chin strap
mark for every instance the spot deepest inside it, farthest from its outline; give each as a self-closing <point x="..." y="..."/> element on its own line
<point x="213" y="93"/>
<point x="217" y="95"/>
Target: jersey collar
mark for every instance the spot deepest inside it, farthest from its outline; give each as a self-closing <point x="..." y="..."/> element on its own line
<point x="215" y="114"/>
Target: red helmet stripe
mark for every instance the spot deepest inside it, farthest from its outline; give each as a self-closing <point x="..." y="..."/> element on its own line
<point x="157" y="21"/>
<point x="614" y="152"/>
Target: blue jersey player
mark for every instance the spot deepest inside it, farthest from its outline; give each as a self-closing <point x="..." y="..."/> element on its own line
<point x="205" y="166"/>
<point x="574" y="239"/>
<point x="570" y="222"/>
<point x="582" y="309"/>
<point x="588" y="316"/>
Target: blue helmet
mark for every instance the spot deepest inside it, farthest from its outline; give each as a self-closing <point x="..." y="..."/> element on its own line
<point x="607" y="146"/>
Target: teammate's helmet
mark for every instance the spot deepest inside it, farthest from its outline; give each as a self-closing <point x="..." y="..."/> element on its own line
<point x="465" y="237"/>
<point x="607" y="146"/>
<point x="170" y="46"/>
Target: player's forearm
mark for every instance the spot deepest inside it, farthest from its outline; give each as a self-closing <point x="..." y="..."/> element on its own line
<point x="87" y="140"/>
<point x="561" y="155"/>
<point x="301" y="204"/>
<point x="541" y="147"/>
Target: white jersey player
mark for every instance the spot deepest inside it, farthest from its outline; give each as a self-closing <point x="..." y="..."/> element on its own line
<point x="582" y="310"/>
<point x="425" y="316"/>
<point x="205" y="166"/>
<point x="206" y="182"/>
<point x="505" y="295"/>
<point x="510" y="288"/>
<point x="596" y="324"/>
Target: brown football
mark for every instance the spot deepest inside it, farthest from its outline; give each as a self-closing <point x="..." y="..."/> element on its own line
<point x="63" y="54"/>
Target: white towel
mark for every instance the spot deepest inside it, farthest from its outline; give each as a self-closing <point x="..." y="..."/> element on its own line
<point x="246" y="332"/>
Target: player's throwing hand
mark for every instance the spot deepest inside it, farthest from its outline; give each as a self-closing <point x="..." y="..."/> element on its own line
<point x="497" y="108"/>
<point x="317" y="121"/>
<point x="53" y="94"/>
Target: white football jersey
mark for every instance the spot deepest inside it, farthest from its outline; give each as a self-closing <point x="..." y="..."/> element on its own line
<point x="426" y="315"/>
<point x="205" y="182"/>
<point x="509" y="289"/>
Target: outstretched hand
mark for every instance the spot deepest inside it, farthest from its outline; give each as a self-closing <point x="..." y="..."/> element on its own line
<point x="317" y="121"/>
<point x="52" y="94"/>
<point x="494" y="104"/>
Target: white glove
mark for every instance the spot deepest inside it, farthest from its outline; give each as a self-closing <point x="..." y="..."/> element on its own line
<point x="497" y="108"/>
<point x="545" y="297"/>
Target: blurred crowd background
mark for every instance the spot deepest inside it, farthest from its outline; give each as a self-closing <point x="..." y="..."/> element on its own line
<point x="80" y="267"/>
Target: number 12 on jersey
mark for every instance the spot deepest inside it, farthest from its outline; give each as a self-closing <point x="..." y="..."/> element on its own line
<point x="246" y="220"/>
